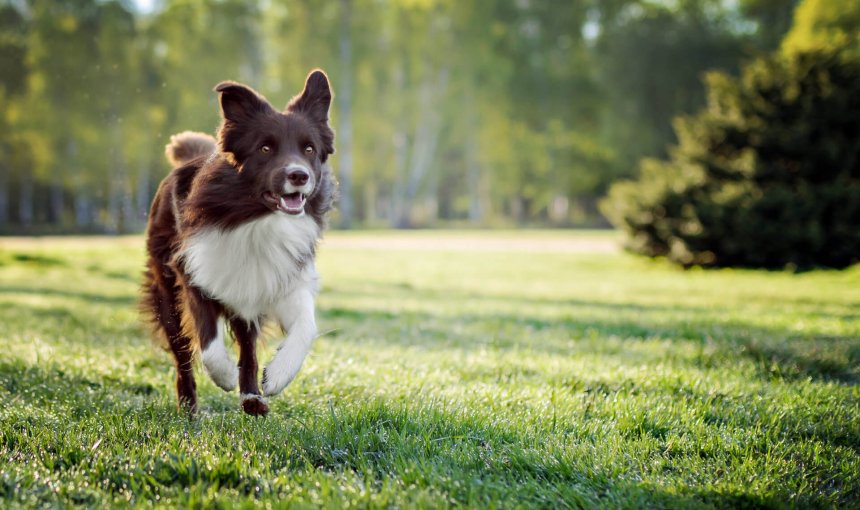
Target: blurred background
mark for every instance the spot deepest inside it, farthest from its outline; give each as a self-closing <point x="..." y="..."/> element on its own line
<point x="492" y="113"/>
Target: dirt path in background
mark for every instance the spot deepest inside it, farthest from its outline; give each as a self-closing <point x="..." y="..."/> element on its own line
<point x="71" y="241"/>
<point x="426" y="240"/>
<point x="564" y="243"/>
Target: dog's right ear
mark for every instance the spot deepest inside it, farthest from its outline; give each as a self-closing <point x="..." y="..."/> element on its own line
<point x="240" y="103"/>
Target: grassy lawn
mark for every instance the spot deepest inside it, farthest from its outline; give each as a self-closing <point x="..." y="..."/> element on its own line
<point x="487" y="370"/>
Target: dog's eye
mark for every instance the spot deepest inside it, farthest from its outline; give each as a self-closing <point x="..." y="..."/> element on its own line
<point x="265" y="149"/>
<point x="309" y="150"/>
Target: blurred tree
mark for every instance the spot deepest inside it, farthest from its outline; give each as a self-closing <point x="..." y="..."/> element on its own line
<point x="767" y="176"/>
<point x="564" y="113"/>
<point x="198" y="44"/>
<point x="771" y="18"/>
<point x="63" y="60"/>
<point x="116" y="81"/>
<point x="487" y="112"/>
<point x="13" y="82"/>
<point x="652" y="60"/>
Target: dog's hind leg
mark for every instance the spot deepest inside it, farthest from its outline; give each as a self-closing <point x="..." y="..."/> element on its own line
<point x="296" y="315"/>
<point x="249" y="392"/>
<point x="170" y="320"/>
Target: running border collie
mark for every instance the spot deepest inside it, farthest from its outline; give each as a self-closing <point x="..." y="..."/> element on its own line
<point x="232" y="237"/>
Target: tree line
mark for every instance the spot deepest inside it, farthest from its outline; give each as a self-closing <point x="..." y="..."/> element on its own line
<point x="487" y="112"/>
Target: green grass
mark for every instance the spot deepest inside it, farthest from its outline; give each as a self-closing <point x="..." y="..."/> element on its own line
<point x="478" y="370"/>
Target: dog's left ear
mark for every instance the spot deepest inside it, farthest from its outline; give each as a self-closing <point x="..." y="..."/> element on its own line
<point x="241" y="107"/>
<point x="239" y="102"/>
<point x="315" y="100"/>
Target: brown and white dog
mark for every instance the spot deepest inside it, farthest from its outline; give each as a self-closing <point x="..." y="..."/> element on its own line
<point x="232" y="237"/>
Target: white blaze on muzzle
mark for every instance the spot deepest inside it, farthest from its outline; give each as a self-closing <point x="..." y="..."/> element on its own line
<point x="294" y="196"/>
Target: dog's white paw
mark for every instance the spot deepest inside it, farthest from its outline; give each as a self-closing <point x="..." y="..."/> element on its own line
<point x="274" y="382"/>
<point x="221" y="369"/>
<point x="279" y="373"/>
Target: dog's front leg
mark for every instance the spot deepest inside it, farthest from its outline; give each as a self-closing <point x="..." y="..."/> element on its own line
<point x="204" y="314"/>
<point x="249" y="392"/>
<point x="296" y="315"/>
<point x="217" y="362"/>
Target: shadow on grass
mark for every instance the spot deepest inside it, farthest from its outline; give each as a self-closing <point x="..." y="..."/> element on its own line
<point x="37" y="260"/>
<point x="396" y="292"/>
<point x="474" y="460"/>
<point x="69" y="324"/>
<point x="460" y="454"/>
<point x="465" y="458"/>
<point x="38" y="385"/>
<point x="128" y="300"/>
<point x="775" y="352"/>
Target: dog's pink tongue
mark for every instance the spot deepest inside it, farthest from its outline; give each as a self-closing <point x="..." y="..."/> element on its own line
<point x="292" y="201"/>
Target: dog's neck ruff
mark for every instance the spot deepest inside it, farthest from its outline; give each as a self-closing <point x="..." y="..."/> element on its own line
<point x="255" y="265"/>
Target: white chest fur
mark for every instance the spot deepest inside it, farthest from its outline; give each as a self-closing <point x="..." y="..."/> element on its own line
<point x="252" y="267"/>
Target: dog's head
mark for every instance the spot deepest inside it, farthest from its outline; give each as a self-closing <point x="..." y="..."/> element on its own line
<point x="280" y="154"/>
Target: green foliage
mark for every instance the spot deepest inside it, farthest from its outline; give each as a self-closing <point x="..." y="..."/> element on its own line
<point x="492" y="111"/>
<point x="767" y="176"/>
<point x="822" y="24"/>
<point x="455" y="370"/>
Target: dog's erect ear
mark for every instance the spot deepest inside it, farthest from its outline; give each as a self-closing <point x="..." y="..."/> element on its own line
<point x="315" y="100"/>
<point x="240" y="107"/>
<point x="239" y="103"/>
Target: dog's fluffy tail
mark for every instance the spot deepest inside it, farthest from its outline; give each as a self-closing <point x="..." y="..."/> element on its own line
<point x="188" y="145"/>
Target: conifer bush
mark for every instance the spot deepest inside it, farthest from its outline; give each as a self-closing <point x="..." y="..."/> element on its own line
<point x="767" y="175"/>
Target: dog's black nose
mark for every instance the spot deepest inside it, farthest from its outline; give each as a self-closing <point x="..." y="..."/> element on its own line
<point x="297" y="177"/>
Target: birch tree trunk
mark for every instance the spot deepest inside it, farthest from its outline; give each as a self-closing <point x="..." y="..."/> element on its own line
<point x="127" y="218"/>
<point x="112" y="221"/>
<point x="400" y="145"/>
<point x="424" y="143"/>
<point x="344" y="132"/>
<point x="25" y="202"/>
<point x="83" y="208"/>
<point x="116" y="176"/>
<point x="473" y="166"/>
<point x="4" y="187"/>
<point x="55" y="196"/>
<point x="142" y="194"/>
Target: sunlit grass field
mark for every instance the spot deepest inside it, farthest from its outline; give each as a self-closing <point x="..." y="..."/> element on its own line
<point x="535" y="369"/>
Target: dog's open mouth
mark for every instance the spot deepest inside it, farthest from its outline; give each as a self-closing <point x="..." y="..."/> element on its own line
<point x="290" y="203"/>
